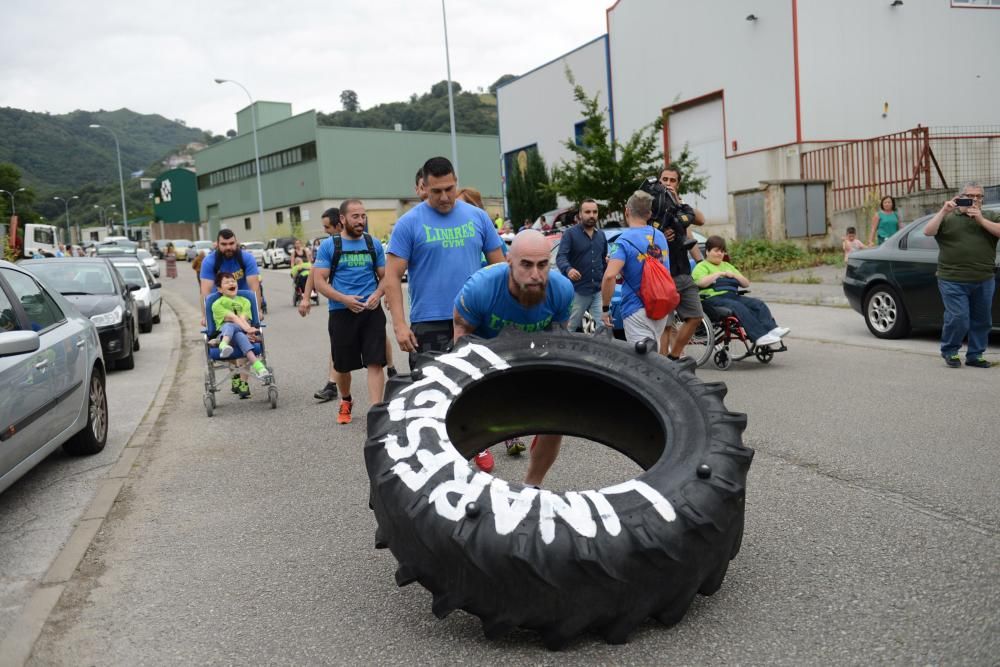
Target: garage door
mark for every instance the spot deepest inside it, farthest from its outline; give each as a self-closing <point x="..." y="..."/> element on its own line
<point x="701" y="128"/>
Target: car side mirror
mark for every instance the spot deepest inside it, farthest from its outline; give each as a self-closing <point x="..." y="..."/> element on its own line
<point x="132" y="287"/>
<point x="18" y="342"/>
<point x="157" y="285"/>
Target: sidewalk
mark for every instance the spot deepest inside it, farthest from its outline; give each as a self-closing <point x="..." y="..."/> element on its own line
<point x="800" y="287"/>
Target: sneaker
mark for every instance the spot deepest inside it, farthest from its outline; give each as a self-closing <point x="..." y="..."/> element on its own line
<point x="244" y="389"/>
<point x="225" y="350"/>
<point x="981" y="362"/>
<point x="234" y="384"/>
<point x="390" y="371"/>
<point x="953" y="361"/>
<point x="484" y="460"/>
<point x="344" y="416"/>
<point x="514" y="447"/>
<point x="780" y="332"/>
<point x="767" y="339"/>
<point x="260" y="370"/>
<point x="327" y="393"/>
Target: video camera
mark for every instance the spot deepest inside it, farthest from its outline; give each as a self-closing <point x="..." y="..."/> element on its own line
<point x="666" y="207"/>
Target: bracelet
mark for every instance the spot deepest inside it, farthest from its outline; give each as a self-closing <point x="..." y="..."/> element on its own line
<point x="605" y="309"/>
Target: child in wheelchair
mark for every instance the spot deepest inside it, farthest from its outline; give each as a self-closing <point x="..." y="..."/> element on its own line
<point x="720" y="284"/>
<point x="232" y="314"/>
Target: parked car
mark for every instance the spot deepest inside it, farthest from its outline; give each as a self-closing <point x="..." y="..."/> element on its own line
<point x="278" y="252"/>
<point x="97" y="290"/>
<point x="182" y="248"/>
<point x="255" y="248"/>
<point x="156" y="248"/>
<point x="202" y="247"/>
<point x="149" y="262"/>
<point x="112" y="249"/>
<point x="894" y="287"/>
<point x="52" y="382"/>
<point x="147" y="297"/>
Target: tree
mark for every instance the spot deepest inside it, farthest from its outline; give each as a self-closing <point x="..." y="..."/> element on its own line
<point x="528" y="193"/>
<point x="349" y="100"/>
<point x="230" y="133"/>
<point x="506" y="78"/>
<point x="602" y="169"/>
<point x="440" y="89"/>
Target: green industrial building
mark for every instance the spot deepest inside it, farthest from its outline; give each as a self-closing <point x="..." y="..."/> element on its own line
<point x="307" y="168"/>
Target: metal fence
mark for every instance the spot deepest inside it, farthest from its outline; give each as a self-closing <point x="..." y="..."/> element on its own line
<point x="906" y="163"/>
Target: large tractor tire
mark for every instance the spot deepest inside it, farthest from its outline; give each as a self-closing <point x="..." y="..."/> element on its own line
<point x="600" y="560"/>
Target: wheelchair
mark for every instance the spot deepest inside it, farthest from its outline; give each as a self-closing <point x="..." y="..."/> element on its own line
<point x="720" y="332"/>
<point x="214" y="362"/>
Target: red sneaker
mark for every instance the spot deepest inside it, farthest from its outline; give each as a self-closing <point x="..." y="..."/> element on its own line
<point x="484" y="460"/>
<point x="344" y="416"/>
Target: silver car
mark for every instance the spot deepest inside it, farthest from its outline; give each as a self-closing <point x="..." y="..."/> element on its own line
<point x="52" y="383"/>
<point x="147" y="297"/>
<point x="149" y="261"/>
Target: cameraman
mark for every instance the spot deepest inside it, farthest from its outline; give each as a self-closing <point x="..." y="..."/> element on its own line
<point x="674" y="228"/>
<point x="967" y="245"/>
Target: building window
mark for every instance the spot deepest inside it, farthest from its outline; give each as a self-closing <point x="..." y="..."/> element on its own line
<point x="279" y="217"/>
<point x="976" y="3"/>
<point x="578" y="132"/>
<point x="268" y="163"/>
<point x="246" y="223"/>
<point x="295" y="214"/>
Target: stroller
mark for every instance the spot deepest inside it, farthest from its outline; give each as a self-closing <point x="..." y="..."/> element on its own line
<point x="215" y="362"/>
<point x="300" y="274"/>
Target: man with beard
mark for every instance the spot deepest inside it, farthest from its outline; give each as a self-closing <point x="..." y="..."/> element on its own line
<point x="583" y="256"/>
<point x="519" y="293"/>
<point x="349" y="272"/>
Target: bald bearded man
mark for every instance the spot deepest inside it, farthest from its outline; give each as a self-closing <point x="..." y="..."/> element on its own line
<point x="520" y="293"/>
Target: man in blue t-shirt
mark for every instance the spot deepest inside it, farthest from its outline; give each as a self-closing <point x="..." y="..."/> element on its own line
<point x="440" y="242"/>
<point x="521" y="293"/>
<point x="352" y="283"/>
<point x="637" y="244"/>
<point x="229" y="258"/>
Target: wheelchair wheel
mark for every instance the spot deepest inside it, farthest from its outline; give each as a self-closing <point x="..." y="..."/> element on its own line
<point x="723" y="360"/>
<point x="209" y="404"/>
<point x="702" y="342"/>
<point x="764" y="354"/>
<point x="272" y="395"/>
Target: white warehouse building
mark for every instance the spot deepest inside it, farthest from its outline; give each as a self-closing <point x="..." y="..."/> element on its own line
<point x="794" y="109"/>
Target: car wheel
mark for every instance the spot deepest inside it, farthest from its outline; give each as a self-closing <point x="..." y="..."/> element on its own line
<point x="558" y="563"/>
<point x="94" y="435"/>
<point x="156" y="318"/>
<point x="135" y="341"/>
<point x="145" y="327"/>
<point x="884" y="313"/>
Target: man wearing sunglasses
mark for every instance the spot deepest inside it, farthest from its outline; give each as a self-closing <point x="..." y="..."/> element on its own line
<point x="967" y="245"/>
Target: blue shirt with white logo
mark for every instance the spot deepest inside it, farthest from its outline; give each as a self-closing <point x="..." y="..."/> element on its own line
<point x="354" y="273"/>
<point x="442" y="251"/>
<point x="486" y="303"/>
<point x="631" y="246"/>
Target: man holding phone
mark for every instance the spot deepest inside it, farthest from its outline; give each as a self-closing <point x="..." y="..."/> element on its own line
<point x="967" y="241"/>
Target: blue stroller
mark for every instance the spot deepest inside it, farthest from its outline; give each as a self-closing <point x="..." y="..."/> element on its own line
<point x="215" y="362"/>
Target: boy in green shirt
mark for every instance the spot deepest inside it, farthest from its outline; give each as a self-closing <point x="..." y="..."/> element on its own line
<point x="232" y="314"/>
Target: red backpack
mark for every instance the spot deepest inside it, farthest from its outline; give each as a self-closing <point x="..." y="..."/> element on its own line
<point x="657" y="290"/>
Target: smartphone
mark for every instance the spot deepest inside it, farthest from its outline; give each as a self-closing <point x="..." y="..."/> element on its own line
<point x="963" y="201"/>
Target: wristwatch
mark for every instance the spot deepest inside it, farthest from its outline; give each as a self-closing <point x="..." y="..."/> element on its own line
<point x="605" y="309"/>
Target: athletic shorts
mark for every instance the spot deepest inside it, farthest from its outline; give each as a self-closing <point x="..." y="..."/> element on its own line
<point x="690" y="305"/>
<point x="638" y="327"/>
<point x="357" y="340"/>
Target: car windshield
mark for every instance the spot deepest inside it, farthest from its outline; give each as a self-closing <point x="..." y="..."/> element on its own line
<point x="182" y="244"/>
<point x="131" y="273"/>
<point x="115" y="250"/>
<point x="253" y="245"/>
<point x="69" y="277"/>
<point x="203" y="245"/>
<point x="143" y="254"/>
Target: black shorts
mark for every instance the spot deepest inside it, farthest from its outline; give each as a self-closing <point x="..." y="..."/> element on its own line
<point x="357" y="340"/>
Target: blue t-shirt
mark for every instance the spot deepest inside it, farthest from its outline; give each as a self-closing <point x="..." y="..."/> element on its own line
<point x="354" y="273"/>
<point x="442" y="251"/>
<point x="486" y="303"/>
<point x="231" y="265"/>
<point x="630" y="246"/>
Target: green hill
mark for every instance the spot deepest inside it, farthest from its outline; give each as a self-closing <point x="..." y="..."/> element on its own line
<point x="62" y="152"/>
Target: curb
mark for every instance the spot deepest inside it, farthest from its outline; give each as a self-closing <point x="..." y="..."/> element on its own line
<point x="17" y="646"/>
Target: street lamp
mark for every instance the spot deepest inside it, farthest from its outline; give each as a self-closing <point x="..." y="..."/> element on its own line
<point x="256" y="149"/>
<point x="121" y="180"/>
<point x="66" y="204"/>
<point x="451" y="100"/>
<point x="13" y="209"/>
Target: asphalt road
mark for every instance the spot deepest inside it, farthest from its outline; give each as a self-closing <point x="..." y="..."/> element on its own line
<point x="872" y="522"/>
<point x="38" y="513"/>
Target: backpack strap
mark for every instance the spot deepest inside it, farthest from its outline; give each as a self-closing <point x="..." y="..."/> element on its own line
<point x="371" y="251"/>
<point x="338" y="250"/>
<point x="217" y="262"/>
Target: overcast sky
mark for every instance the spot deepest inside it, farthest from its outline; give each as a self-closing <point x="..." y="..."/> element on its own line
<point x="161" y="57"/>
